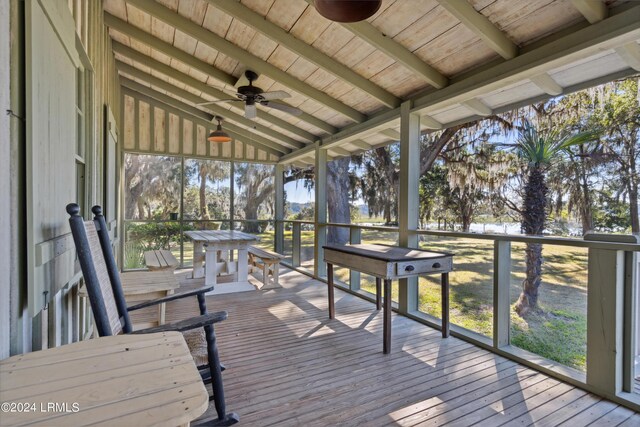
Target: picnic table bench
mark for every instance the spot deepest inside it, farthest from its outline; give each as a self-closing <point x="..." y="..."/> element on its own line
<point x="269" y="263"/>
<point x="141" y="286"/>
<point x="160" y="259"/>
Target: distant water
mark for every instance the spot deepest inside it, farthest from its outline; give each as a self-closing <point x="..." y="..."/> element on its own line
<point x="505" y="228"/>
<point x="509" y="228"/>
<point x="494" y="228"/>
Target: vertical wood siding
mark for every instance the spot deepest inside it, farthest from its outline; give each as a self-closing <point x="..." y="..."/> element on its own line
<point x="62" y="38"/>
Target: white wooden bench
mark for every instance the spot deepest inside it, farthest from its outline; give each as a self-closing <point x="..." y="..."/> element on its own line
<point x="269" y="263"/>
<point x="160" y="259"/>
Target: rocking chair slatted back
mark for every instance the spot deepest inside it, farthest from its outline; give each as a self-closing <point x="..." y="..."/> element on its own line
<point x="96" y="274"/>
<point x="112" y="267"/>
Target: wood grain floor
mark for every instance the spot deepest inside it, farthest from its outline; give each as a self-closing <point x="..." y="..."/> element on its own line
<point x="289" y="365"/>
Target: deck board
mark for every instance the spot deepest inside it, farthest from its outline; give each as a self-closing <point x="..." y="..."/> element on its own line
<point x="288" y="364"/>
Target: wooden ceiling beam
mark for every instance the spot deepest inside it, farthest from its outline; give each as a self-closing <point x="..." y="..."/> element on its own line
<point x="546" y="83"/>
<point x="593" y="10"/>
<point x="220" y="44"/>
<point x="202" y="119"/>
<point x="391" y="133"/>
<point x="340" y="151"/>
<point x="395" y="50"/>
<point x="361" y="144"/>
<point x="478" y="107"/>
<point x="430" y="122"/>
<point x="630" y="53"/>
<point x="167" y="49"/>
<point x="217" y="109"/>
<point x="311" y="54"/>
<point x="203" y="87"/>
<point x="617" y="30"/>
<point x="613" y="32"/>
<point x="297" y="155"/>
<point x="193" y="62"/>
<point x="481" y="26"/>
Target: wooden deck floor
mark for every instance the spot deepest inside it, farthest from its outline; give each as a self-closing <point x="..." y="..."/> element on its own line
<point x="288" y="365"/>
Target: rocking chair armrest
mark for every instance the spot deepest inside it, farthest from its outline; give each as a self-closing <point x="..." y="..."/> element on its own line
<point x="179" y="295"/>
<point x="187" y="324"/>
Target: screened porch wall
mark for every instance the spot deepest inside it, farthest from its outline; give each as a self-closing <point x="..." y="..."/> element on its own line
<point x="152" y="128"/>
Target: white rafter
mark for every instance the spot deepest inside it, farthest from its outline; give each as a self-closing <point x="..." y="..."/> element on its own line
<point x="630" y="53"/>
<point x="481" y="26"/>
<point x="478" y="107"/>
<point x="220" y="44"/>
<point x="592" y="10"/>
<point x="546" y="83"/>
<point x="311" y="54"/>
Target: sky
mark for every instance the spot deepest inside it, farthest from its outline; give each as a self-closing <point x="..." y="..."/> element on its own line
<point x="297" y="193"/>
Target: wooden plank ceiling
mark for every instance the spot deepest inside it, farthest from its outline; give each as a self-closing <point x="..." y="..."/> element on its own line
<point x="349" y="79"/>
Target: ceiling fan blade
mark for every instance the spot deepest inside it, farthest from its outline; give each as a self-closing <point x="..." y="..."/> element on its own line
<point x="282" y="107"/>
<point x="200" y="104"/>
<point x="250" y="111"/>
<point x="276" y="94"/>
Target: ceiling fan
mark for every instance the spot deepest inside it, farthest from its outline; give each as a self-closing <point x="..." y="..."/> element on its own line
<point x="252" y="95"/>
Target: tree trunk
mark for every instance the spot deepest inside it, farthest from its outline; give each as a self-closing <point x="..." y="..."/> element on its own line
<point x="633" y="207"/>
<point x="528" y="299"/>
<point x="338" y="199"/>
<point x="133" y="192"/>
<point x="534" y="214"/>
<point x="466" y="210"/>
<point x="204" y="212"/>
<point x="586" y="212"/>
<point x="251" y="212"/>
<point x="633" y="191"/>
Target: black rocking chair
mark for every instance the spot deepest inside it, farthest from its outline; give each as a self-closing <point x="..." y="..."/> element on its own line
<point x="111" y="313"/>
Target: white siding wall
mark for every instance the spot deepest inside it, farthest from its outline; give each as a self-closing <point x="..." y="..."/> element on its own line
<point x="5" y="192"/>
<point x="61" y="37"/>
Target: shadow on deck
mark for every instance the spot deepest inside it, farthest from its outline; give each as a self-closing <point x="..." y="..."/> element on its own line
<point x="288" y="364"/>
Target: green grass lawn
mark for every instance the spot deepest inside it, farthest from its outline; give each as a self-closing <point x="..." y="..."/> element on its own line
<point x="557" y="331"/>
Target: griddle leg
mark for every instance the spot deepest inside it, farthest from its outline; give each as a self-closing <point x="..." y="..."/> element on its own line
<point x="378" y="293"/>
<point x="332" y="308"/>
<point x="444" y="284"/>
<point x="386" y="341"/>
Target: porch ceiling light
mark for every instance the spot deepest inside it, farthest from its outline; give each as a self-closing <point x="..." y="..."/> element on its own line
<point x="347" y="10"/>
<point x="219" y="135"/>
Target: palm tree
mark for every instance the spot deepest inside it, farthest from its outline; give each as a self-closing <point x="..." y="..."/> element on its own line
<point x="539" y="148"/>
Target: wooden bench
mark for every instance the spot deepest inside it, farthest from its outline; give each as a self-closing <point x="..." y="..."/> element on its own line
<point x="160" y="259"/>
<point x="268" y="262"/>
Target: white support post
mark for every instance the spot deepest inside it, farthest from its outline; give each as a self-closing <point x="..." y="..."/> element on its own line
<point x="605" y="317"/>
<point x="232" y="195"/>
<point x="320" y="238"/>
<point x="408" y="199"/>
<point x="278" y="241"/>
<point x="296" y="244"/>
<point x="631" y="344"/>
<point x="355" y="237"/>
<point x="501" y="302"/>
